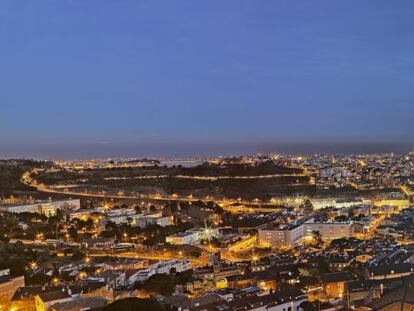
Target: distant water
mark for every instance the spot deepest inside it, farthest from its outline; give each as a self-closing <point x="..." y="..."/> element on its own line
<point x="103" y="151"/>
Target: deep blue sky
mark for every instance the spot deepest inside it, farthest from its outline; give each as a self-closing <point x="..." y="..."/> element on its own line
<point x="208" y="71"/>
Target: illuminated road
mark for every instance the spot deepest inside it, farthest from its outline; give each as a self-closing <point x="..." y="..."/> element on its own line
<point x="233" y="252"/>
<point x="209" y="178"/>
<point x="376" y="222"/>
<point x="406" y="191"/>
<point x="244" y="244"/>
<point x="195" y="262"/>
<point x="29" y="181"/>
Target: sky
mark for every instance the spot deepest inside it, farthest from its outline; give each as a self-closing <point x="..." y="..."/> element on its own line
<point x="130" y="71"/>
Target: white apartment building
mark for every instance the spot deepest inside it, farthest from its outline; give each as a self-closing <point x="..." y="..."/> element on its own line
<point x="192" y="236"/>
<point x="161" y="267"/>
<point x="292" y="234"/>
<point x="153" y="218"/>
<point x="330" y="230"/>
<point x="182" y="238"/>
<point x="121" y="212"/>
<point x="320" y="203"/>
<point x="139" y="220"/>
<point x="47" y="208"/>
<point x="285" y="235"/>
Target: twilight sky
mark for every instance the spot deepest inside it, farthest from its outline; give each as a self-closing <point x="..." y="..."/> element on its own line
<point x="205" y="71"/>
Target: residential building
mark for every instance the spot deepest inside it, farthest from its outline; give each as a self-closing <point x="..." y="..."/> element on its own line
<point x="334" y="283"/>
<point x="80" y="303"/>
<point x="389" y="271"/>
<point x="283" y="235"/>
<point x="47" y="208"/>
<point x="192" y="236"/>
<point x="8" y="286"/>
<point x="329" y="230"/>
<point x="161" y="267"/>
<point x="44" y="301"/>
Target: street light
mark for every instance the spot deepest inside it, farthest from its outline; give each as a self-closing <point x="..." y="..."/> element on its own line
<point x="33" y="265"/>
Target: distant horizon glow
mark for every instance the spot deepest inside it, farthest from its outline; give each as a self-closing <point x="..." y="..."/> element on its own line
<point x="201" y="150"/>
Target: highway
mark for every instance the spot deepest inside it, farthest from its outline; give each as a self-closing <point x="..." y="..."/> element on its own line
<point x="28" y="180"/>
<point x="209" y="178"/>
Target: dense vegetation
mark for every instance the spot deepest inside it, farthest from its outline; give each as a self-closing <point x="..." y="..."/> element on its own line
<point x="10" y="173"/>
<point x="206" y="169"/>
<point x="17" y="257"/>
<point x="164" y="284"/>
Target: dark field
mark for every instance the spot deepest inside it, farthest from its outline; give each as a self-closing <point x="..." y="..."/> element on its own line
<point x="178" y="180"/>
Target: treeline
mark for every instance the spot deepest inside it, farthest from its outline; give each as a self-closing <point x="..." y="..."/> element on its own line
<point x="11" y="172"/>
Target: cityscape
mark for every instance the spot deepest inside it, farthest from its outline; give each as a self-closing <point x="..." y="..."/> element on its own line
<point x="332" y="232"/>
<point x="206" y="155"/>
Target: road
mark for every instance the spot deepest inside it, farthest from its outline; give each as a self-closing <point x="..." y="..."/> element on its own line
<point x="244" y="244"/>
<point x="195" y="262"/>
<point x="29" y="181"/>
<point x="406" y="190"/>
<point x="210" y="178"/>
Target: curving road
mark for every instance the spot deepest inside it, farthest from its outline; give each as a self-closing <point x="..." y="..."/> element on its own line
<point x="209" y="178"/>
<point x="28" y="180"/>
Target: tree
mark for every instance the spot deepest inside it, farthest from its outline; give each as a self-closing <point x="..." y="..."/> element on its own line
<point x="78" y="255"/>
<point x="73" y="232"/>
<point x="89" y="223"/>
<point x="111" y="230"/>
<point x="341" y="218"/>
<point x="318" y="238"/>
<point x="323" y="267"/>
<point x="165" y="284"/>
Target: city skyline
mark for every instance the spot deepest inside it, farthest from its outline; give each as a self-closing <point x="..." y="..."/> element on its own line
<point x="195" y="150"/>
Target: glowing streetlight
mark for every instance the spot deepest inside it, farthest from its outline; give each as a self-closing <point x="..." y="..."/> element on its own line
<point x="33" y="265"/>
